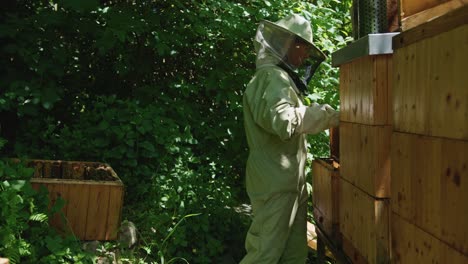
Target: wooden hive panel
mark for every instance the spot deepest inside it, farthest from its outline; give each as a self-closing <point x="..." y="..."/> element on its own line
<point x="430" y="92"/>
<point x="364" y="225"/>
<point x="365" y="157"/>
<point x="325" y="195"/>
<point x="93" y="207"/>
<point x="62" y="191"/>
<point x="78" y="210"/>
<point x="365" y="90"/>
<point x="429" y="185"/>
<point x="411" y="7"/>
<point x="416" y="13"/>
<point x="96" y="220"/>
<point x="411" y="244"/>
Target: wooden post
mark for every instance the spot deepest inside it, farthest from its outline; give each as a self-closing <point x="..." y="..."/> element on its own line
<point x="320" y="250"/>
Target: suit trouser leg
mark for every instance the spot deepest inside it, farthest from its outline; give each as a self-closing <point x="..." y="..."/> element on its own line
<point x="268" y="239"/>
<point x="295" y="251"/>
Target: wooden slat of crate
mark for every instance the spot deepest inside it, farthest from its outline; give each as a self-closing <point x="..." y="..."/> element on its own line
<point x="364" y="225"/>
<point x="365" y="157"/>
<point x="77" y="212"/>
<point x="114" y="213"/>
<point x="98" y="208"/>
<point x="410" y="244"/>
<point x="325" y="182"/>
<point x="57" y="191"/>
<point x="430" y="91"/>
<point x="364" y="90"/>
<point x="429" y="185"/>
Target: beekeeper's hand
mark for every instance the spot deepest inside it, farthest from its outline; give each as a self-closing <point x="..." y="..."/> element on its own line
<point x="333" y="114"/>
<point x="316" y="118"/>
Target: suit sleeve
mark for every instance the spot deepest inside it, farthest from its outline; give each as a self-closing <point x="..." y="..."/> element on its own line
<point x="273" y="106"/>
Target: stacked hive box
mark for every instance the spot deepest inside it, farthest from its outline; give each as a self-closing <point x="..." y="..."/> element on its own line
<point x="365" y="135"/>
<point x="325" y="196"/>
<point x="430" y="142"/>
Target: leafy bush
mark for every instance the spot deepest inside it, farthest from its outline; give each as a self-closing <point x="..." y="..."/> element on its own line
<point x="155" y="157"/>
<point x="154" y="88"/>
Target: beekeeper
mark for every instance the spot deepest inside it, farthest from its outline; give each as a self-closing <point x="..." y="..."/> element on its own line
<point x="276" y="122"/>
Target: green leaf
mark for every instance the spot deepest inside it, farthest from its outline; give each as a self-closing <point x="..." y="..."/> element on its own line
<point x="53" y="243"/>
<point x="48" y="97"/>
<point x="39" y="217"/>
<point x="2" y="144"/>
<point x="148" y="146"/>
<point x="17" y="185"/>
<point x="58" y="205"/>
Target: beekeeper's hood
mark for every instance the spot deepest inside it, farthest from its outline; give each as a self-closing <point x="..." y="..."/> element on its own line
<point x="273" y="40"/>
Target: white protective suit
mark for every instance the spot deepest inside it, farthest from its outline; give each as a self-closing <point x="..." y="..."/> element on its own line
<point x="276" y="122"/>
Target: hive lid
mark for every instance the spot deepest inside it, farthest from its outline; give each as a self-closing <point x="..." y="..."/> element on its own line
<point x="372" y="44"/>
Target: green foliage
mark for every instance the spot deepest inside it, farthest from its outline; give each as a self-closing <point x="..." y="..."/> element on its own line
<point x="157" y="158"/>
<point x="25" y="236"/>
<point x="154" y="88"/>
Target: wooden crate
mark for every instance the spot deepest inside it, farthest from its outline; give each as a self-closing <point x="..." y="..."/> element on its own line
<point x="325" y="179"/>
<point x="365" y="157"/>
<point x="365" y="90"/>
<point x="93" y="194"/>
<point x="410" y="244"/>
<point x="415" y="13"/>
<point x="364" y="225"/>
<point x="429" y="185"/>
<point x="430" y="90"/>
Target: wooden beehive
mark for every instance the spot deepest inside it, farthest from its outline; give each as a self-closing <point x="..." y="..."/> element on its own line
<point x="410" y="244"/>
<point x="364" y="225"/>
<point x="430" y="141"/>
<point x="325" y="181"/>
<point x="93" y="195"/>
<point x="414" y="13"/>
<point x="365" y="90"/>
<point x="429" y="185"/>
<point x="431" y="92"/>
<point x="366" y="68"/>
<point x="365" y="157"/>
